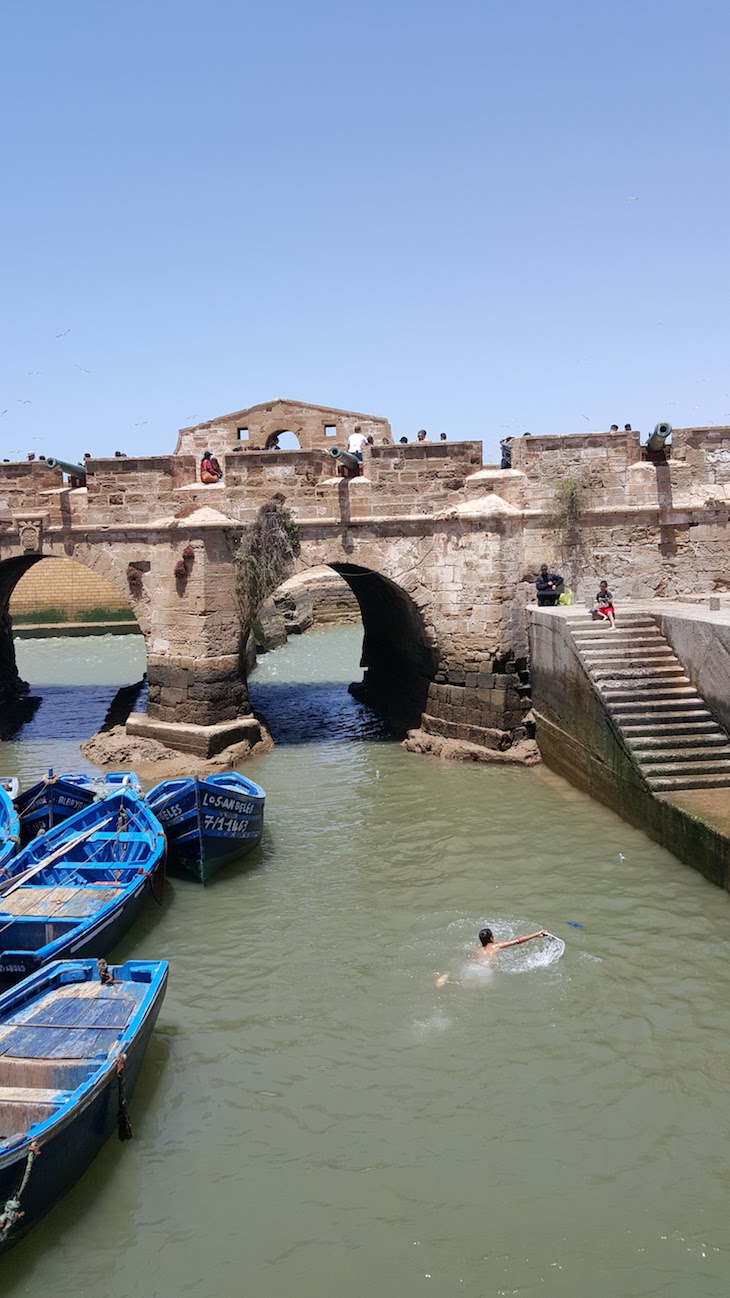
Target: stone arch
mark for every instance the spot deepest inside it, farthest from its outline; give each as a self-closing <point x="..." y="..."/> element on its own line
<point x="293" y="444"/>
<point x="399" y="656"/>
<point x="12" y="570"/>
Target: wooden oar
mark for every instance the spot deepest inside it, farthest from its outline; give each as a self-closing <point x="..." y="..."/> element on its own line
<point x="20" y="879"/>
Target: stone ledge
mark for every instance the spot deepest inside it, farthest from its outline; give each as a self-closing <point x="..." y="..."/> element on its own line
<point x="201" y="741"/>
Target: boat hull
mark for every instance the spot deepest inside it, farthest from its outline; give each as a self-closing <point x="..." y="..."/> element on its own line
<point x="9" y="829"/>
<point x="80" y="887"/>
<point x="58" y="797"/>
<point x="72" y="1143"/>
<point x="208" y="823"/>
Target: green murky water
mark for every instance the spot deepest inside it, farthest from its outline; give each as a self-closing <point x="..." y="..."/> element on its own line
<point x="316" y="1117"/>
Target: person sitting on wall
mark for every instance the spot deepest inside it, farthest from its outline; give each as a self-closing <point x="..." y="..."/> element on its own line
<point x="402" y="441"/>
<point x="603" y="610"/>
<point x="443" y="437"/>
<point x="613" y="428"/>
<point x="210" y="469"/>
<point x="272" y="443"/>
<point x="548" y="587"/>
<point x="422" y="437"/>
<point x="505" y="447"/>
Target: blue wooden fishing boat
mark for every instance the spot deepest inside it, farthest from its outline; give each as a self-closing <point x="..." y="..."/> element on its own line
<point x="72" y="1040"/>
<point x="9" y="828"/>
<point x="56" y="797"/>
<point x="208" y="822"/>
<point x="76" y="890"/>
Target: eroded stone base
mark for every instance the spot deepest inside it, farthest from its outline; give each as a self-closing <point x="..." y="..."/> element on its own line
<point x="116" y="750"/>
<point x="202" y="741"/>
<point x="523" y="753"/>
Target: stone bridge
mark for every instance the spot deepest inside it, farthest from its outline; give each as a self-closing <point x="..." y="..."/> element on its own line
<point x="440" y="551"/>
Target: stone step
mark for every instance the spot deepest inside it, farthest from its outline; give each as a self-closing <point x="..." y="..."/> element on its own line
<point x="719" y="766"/>
<point x="675" y="783"/>
<point x="690" y="742"/>
<point x="649" y="673"/>
<point x="617" y="643"/>
<point x="649" y="723"/>
<point x="603" y="655"/>
<point x="649" y="693"/>
<point x="660" y="710"/>
<point x="691" y="757"/>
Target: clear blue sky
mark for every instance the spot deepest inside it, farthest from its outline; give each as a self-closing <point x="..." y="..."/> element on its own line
<point x="420" y="210"/>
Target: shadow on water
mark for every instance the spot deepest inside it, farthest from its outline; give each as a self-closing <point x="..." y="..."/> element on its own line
<point x="300" y="713"/>
<point x="71" y="711"/>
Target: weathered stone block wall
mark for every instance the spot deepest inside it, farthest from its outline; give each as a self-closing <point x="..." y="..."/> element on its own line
<point x="599" y="461"/>
<point x="67" y="586"/>
<point x="307" y="422"/>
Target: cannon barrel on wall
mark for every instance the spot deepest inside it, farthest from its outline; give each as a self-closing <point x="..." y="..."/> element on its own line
<point x="345" y="458"/>
<point x="73" y="470"/>
<point x="659" y="437"/>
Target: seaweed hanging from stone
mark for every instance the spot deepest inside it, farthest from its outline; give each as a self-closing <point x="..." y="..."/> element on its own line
<point x="264" y="556"/>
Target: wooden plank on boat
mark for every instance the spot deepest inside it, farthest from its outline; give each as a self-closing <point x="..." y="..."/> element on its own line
<point x="28" y="1042"/>
<point x="30" y="1095"/>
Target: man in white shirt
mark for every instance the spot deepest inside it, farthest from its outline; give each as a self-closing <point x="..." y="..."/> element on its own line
<point x="356" y="441"/>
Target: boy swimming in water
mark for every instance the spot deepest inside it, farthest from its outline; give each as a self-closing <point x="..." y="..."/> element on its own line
<point x="489" y="948"/>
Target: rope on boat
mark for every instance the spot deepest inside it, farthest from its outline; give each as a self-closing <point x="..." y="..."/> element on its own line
<point x="124" y="1126"/>
<point x="11" y="1213"/>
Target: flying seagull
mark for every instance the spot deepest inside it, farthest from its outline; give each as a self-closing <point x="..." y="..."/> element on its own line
<point x="34" y="372"/>
<point x="632" y="198"/>
<point x="141" y="424"/>
<point x="81" y="367"/>
<point x="3" y="412"/>
<point x="63" y="333"/>
<point x="587" y="418"/>
<point x="21" y="402"/>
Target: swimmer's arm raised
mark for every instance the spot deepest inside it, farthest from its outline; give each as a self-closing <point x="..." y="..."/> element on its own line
<point x="517" y="941"/>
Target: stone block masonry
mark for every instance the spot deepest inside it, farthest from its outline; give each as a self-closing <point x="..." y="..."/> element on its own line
<point x="439" y="552"/>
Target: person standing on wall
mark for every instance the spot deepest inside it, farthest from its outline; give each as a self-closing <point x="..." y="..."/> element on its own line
<point x="548" y="587"/>
<point x="505" y="447"/>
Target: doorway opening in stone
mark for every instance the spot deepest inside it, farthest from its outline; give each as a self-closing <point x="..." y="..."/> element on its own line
<point x="284" y="440"/>
<point x="340" y="652"/>
<point x="72" y="656"/>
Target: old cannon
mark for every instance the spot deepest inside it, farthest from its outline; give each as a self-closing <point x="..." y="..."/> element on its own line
<point x="659" y="437"/>
<point x="73" y="470"/>
<point x="344" y="458"/>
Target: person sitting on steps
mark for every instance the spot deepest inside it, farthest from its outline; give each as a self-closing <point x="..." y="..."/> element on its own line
<point x="603" y="609"/>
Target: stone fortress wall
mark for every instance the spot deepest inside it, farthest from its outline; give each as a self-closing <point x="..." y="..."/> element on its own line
<point x="441" y="552"/>
<point x="315" y="427"/>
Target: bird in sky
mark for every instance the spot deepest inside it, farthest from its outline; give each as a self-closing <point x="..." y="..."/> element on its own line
<point x="34" y="372"/>
<point x="587" y="418"/>
<point x="63" y="333"/>
<point x="141" y="424"/>
<point x="21" y="402"/>
<point x="81" y="367"/>
<point x="632" y="198"/>
<point x="3" y="412"/>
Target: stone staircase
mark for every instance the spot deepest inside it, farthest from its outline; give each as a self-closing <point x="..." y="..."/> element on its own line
<point x="664" y="722"/>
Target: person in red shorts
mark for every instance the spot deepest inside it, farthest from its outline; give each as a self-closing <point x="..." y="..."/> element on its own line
<point x="603" y="607"/>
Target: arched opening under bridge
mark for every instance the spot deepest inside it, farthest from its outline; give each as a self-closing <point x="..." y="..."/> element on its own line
<point x="72" y="655"/>
<point x="351" y="616"/>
